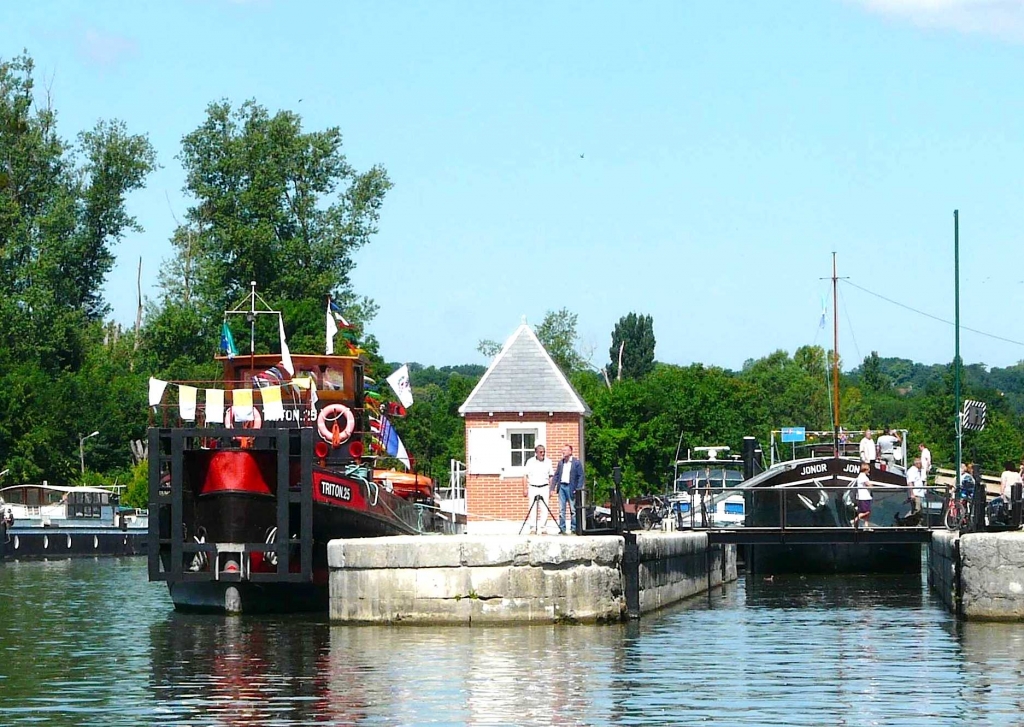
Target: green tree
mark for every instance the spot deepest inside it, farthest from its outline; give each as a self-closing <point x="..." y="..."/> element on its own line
<point x="274" y="205"/>
<point x="635" y="335"/>
<point x="62" y="211"/>
<point x="557" y="332"/>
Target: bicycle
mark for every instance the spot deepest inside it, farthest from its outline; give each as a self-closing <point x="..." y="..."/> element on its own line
<point x="959" y="512"/>
<point x="650" y="516"/>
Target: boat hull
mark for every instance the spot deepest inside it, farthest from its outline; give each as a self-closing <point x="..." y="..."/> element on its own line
<point x="20" y="543"/>
<point x="817" y="494"/>
<point x="247" y="597"/>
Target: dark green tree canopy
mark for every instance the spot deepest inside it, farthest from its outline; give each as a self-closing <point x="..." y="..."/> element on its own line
<point x="273" y="204"/>
<point x="62" y="209"/>
<point x="635" y="334"/>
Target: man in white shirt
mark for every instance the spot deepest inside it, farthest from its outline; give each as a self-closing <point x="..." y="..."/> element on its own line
<point x="537" y="483"/>
<point x="867" y="448"/>
<point x="926" y="464"/>
<point x="887" y="447"/>
<point x="916" y="485"/>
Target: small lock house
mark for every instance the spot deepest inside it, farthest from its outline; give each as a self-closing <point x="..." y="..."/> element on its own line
<point x="523" y="399"/>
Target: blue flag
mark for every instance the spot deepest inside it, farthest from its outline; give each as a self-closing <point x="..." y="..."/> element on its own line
<point x="227" y="341"/>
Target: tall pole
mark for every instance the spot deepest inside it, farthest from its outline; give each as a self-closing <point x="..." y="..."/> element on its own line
<point x="81" y="453"/>
<point x="956" y="354"/>
<point x="835" y="357"/>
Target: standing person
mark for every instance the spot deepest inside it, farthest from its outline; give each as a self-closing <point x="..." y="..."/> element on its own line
<point x="568" y="479"/>
<point x="926" y="464"/>
<point x="537" y="483"/>
<point x="863" y="485"/>
<point x="966" y="482"/>
<point x="867" y="448"/>
<point x="1007" y="480"/>
<point x="914" y="482"/>
<point x="887" y="447"/>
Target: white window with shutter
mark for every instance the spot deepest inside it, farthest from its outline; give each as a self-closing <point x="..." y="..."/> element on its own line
<point x="519" y="439"/>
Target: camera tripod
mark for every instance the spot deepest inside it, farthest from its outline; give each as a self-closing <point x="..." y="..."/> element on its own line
<point x="537" y="501"/>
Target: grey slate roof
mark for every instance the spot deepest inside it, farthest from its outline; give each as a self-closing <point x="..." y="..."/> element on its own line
<point x="523" y="377"/>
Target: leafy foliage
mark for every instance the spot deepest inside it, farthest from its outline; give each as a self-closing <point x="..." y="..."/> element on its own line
<point x="635" y="334"/>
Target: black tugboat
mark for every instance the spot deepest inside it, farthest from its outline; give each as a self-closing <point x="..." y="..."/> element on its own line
<point x="242" y="509"/>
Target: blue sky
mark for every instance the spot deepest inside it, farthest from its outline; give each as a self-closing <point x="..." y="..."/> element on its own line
<point x="727" y="149"/>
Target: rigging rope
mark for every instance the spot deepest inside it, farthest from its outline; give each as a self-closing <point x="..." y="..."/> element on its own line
<point x="933" y="317"/>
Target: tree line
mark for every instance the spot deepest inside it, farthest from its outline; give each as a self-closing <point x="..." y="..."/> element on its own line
<point x="274" y="203"/>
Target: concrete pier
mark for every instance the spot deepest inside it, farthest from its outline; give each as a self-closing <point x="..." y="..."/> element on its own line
<point x="979" y="576"/>
<point x="464" y="579"/>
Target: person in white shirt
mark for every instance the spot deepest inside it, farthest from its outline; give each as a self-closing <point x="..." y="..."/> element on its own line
<point x="926" y="464"/>
<point x="1007" y="480"/>
<point x="537" y="483"/>
<point x="916" y="485"/>
<point x="867" y="448"/>
<point x="863" y="485"/>
<point x="887" y="447"/>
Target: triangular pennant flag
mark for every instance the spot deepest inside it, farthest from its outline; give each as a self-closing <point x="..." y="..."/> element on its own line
<point x="227" y="341"/>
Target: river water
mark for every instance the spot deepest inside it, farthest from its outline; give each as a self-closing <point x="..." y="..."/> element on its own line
<point x="91" y="642"/>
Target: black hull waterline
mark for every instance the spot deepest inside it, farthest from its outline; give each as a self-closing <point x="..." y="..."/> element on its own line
<point x="818" y="494"/>
<point x="20" y="543"/>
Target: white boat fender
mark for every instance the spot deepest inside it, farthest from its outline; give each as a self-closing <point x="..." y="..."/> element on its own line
<point x="335" y="435"/>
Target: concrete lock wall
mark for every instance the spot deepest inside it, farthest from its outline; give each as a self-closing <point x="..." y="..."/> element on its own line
<point x="992" y="576"/>
<point x="674" y="566"/>
<point x="468" y="579"/>
<point x="979" y="575"/>
<point x="943" y="554"/>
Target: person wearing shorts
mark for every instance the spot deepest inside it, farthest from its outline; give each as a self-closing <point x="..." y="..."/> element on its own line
<point x="863" y="485"/>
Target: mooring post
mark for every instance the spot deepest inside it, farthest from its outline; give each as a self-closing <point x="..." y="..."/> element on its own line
<point x="980" y="498"/>
<point x="631" y="574"/>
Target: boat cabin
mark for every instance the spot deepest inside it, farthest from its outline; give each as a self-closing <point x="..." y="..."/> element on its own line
<point x="49" y="504"/>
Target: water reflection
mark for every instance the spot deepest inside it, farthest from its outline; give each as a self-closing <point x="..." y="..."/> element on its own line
<point x="93" y="643"/>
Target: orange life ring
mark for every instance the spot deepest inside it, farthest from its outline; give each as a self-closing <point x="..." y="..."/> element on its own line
<point x="257" y="419"/>
<point x="333" y="412"/>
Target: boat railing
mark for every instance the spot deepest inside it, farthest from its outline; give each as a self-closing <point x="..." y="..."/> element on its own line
<point x="456" y="489"/>
<point x="818" y="444"/>
<point x="824" y="505"/>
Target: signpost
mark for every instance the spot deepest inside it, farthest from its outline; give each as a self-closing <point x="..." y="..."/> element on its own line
<point x="972" y="418"/>
<point x="794" y="434"/>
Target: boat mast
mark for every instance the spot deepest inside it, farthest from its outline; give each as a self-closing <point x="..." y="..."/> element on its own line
<point x="835" y="357"/>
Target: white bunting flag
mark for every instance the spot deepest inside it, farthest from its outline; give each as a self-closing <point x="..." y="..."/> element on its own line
<point x="187" y="402"/>
<point x="156" y="391"/>
<point x="214" y="406"/>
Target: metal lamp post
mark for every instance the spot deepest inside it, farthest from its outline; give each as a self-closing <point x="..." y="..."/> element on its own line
<point x="81" y="448"/>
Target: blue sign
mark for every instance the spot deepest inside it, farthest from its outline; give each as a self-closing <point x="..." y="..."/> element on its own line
<point x="793" y="434"/>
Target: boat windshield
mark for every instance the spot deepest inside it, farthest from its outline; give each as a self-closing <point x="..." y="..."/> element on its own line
<point x="708" y="477"/>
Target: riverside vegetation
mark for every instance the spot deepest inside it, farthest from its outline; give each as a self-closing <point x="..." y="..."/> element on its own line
<point x="279" y="205"/>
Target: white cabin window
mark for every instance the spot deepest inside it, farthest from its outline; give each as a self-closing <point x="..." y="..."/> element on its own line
<point x="521" y="444"/>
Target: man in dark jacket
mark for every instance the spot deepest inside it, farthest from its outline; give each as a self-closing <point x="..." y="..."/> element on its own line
<point x="568" y="480"/>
